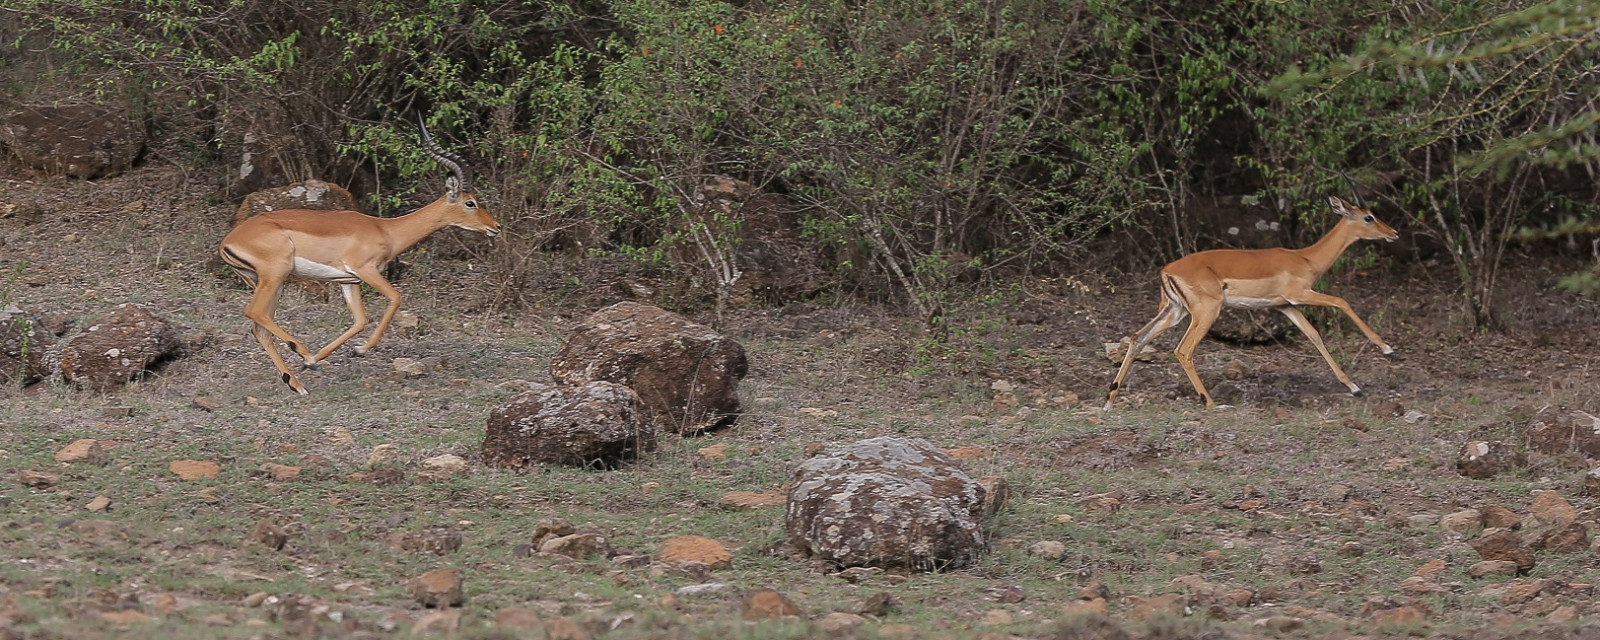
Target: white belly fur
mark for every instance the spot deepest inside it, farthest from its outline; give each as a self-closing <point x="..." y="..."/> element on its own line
<point x="1236" y="302"/>
<point x="317" y="271"/>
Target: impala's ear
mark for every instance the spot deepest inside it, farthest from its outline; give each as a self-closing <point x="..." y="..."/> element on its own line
<point x="452" y="188"/>
<point x="1340" y="206"/>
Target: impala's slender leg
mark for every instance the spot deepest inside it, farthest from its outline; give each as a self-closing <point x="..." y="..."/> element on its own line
<point x="1167" y="317"/>
<point x="1204" y="309"/>
<point x="266" y="297"/>
<point x="1325" y="300"/>
<point x="358" y="311"/>
<point x="267" y="278"/>
<point x="374" y="278"/>
<point x="1299" y="320"/>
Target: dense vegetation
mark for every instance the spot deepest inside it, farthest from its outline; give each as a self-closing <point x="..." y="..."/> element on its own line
<point x="921" y="144"/>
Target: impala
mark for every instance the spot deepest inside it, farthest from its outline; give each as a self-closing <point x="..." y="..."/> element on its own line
<point x="344" y="247"/>
<point x="1202" y="284"/>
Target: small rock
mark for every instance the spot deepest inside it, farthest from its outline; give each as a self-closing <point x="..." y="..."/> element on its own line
<point x="255" y="599"/>
<point x="1352" y="549"/>
<point x="269" y="534"/>
<point x="1421" y="520"/>
<point x="37" y="479"/>
<point x="1239" y="597"/>
<point x="1279" y="624"/>
<point x="878" y="604"/>
<point x="1419" y="585"/>
<point x="1572" y="538"/>
<point x="281" y="472"/>
<point x="205" y="404"/>
<point x="1492" y="569"/>
<point x="98" y="504"/>
<point x="566" y="629"/>
<point x="383" y="455"/>
<point x="839" y="624"/>
<point x="1048" y="549"/>
<point x="1087" y="608"/>
<point x="1502" y="544"/>
<point x="86" y="450"/>
<point x="551" y="527"/>
<point x="437" y="588"/>
<point x="714" y="453"/>
<point x="704" y="587"/>
<point x="1563" y="614"/>
<point x="696" y="549"/>
<point x="1481" y="459"/>
<point x="518" y="618"/>
<point x="1414" y="416"/>
<point x="1009" y="594"/>
<point x="341" y="437"/>
<point x="116" y="412"/>
<point x="1549" y="508"/>
<point x="1166" y="605"/>
<point x="995" y="618"/>
<point x="1591" y="483"/>
<point x="1430" y="569"/>
<point x="438" y="622"/>
<point x="409" y="367"/>
<point x="1465" y="522"/>
<point x="194" y="469"/>
<point x="1498" y="517"/>
<point x="766" y="604"/>
<point x="578" y="545"/>
<point x="1093" y="590"/>
<point x="1519" y="593"/>
<point x="443" y="467"/>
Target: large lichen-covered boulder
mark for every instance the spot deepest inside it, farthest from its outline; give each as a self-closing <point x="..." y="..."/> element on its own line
<point x="686" y="374"/>
<point x="311" y="194"/>
<point x="24" y="339"/>
<point x="591" y="424"/>
<point x="886" y="502"/>
<point x="81" y="141"/>
<point x="115" y="348"/>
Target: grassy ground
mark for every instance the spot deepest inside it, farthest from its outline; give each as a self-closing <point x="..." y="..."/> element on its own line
<point x="1267" y="496"/>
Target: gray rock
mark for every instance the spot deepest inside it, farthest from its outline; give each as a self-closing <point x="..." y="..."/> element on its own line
<point x="594" y="423"/>
<point x="888" y="502"/>
<point x="686" y="374"/>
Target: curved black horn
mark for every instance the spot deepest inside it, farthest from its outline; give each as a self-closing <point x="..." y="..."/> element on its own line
<point x="451" y="161"/>
<point x="1353" y="191"/>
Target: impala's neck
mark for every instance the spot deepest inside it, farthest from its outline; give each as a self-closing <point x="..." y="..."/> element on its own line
<point x="1322" y="254"/>
<point x="409" y="229"/>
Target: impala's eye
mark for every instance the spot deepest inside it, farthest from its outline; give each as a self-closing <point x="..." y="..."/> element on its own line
<point x="1369" y="219"/>
<point x="473" y="204"/>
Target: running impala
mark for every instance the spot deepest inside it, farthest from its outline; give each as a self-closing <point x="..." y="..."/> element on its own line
<point x="344" y="247"/>
<point x="1202" y="284"/>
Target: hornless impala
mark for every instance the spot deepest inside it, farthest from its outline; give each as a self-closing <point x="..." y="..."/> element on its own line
<point x="346" y="247"/>
<point x="1204" y="283"/>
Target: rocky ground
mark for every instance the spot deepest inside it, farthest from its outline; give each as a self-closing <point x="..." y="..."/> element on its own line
<point x="204" y="500"/>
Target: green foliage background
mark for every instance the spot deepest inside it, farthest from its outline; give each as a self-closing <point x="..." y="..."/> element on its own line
<point x="922" y="144"/>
